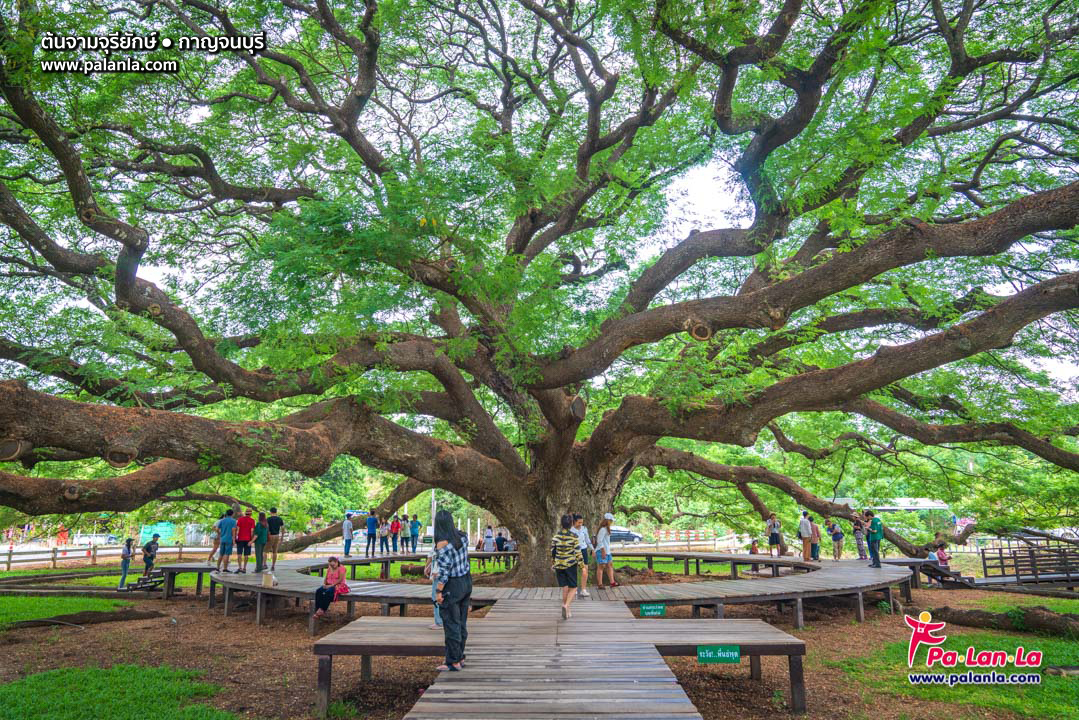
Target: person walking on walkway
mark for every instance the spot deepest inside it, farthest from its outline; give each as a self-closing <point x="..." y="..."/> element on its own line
<point x="149" y="554"/>
<point x="858" y="526"/>
<point x="454" y="588"/>
<point x="275" y="525"/>
<point x="416" y="525"/>
<point x="384" y="537"/>
<point x="262" y="536"/>
<point x="372" y="533"/>
<point x="584" y="543"/>
<point x="805" y="534"/>
<point x="125" y="561"/>
<point x="604" y="561"/>
<point x="406" y="533"/>
<point x="876" y="534"/>
<point x="226" y="526"/>
<point x="431" y="571"/>
<point x="346" y="534"/>
<point x="566" y="553"/>
<point x="775" y="538"/>
<point x="836" y="533"/>
<point x="332" y="586"/>
<point x="215" y="537"/>
<point x="814" y="547"/>
<point x="245" y="533"/>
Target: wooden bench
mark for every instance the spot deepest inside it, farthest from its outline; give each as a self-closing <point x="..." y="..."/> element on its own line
<point x="523" y="645"/>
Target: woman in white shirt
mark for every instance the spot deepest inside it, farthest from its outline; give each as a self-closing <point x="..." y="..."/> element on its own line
<point x="604" y="561"/>
<point x="488" y="540"/>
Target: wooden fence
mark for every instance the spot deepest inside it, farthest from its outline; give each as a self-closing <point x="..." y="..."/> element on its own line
<point x="92" y="553"/>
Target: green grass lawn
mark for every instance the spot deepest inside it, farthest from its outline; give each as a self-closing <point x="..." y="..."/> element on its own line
<point x="16" y="608"/>
<point x="122" y="692"/>
<point x="1056" y="697"/>
<point x="1003" y="602"/>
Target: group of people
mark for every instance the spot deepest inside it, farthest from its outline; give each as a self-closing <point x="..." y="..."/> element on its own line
<point x="491" y="542"/>
<point x="866" y="526"/>
<point x="245" y="534"/>
<point x="570" y="552"/>
<point x="149" y="557"/>
<point x="404" y="534"/>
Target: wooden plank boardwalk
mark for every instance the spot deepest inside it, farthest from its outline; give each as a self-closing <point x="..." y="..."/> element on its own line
<point x="851" y="578"/>
<point x="524" y="662"/>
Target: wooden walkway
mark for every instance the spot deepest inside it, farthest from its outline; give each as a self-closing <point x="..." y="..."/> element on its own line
<point x="524" y="662"/>
<point x="852" y="578"/>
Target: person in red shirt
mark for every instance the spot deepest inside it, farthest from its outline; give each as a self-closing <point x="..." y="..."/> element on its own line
<point x="245" y="531"/>
<point x="395" y="531"/>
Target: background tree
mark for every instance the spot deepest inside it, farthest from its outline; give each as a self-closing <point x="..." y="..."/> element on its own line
<point x="430" y="236"/>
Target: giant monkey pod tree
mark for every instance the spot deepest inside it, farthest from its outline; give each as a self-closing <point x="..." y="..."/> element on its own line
<point x="436" y="236"/>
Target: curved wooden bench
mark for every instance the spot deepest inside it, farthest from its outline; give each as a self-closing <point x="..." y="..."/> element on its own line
<point x="852" y="578"/>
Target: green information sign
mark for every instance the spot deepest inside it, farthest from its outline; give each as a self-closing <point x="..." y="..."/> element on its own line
<point x="719" y="654"/>
<point x="653" y="610"/>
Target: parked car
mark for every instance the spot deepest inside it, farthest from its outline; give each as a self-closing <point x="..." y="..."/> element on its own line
<point x="624" y="535"/>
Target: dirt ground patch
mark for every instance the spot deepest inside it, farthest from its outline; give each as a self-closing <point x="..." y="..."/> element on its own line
<point x="269" y="672"/>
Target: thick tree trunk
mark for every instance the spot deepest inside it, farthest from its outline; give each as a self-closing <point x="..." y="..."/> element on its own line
<point x="533" y="518"/>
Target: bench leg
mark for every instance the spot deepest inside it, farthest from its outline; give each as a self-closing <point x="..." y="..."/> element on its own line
<point x="198" y="585"/>
<point x="799" y="618"/>
<point x="402" y="609"/>
<point x="385" y="609"/>
<point x="311" y="619"/>
<point x="325" y="671"/>
<point x="888" y="596"/>
<point x="859" y="607"/>
<point x="228" y="599"/>
<point x="734" y="570"/>
<point x="350" y="609"/>
<point x="754" y="667"/>
<point x="260" y="605"/>
<point x="698" y="567"/>
<point x="915" y="578"/>
<point x="212" y="603"/>
<point x="696" y="611"/>
<point x="353" y="572"/>
<point x="365" y="668"/>
<point x="775" y="571"/>
<point x="718" y="609"/>
<point x="649" y="562"/>
<point x="166" y="591"/>
<point x="905" y="587"/>
<point x="686" y="564"/>
<point x="798" y="684"/>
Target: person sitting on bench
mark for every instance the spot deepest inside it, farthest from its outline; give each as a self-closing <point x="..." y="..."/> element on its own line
<point x="332" y="586"/>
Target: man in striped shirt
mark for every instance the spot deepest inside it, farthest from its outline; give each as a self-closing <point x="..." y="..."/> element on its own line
<point x="566" y="556"/>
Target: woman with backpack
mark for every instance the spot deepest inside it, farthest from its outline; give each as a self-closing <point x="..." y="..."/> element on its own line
<point x="453" y="589"/>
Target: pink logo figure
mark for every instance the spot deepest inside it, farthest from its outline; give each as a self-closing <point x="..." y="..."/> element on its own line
<point x="922" y="634"/>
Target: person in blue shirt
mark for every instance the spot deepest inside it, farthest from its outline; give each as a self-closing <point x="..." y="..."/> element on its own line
<point x="226" y="529"/>
<point x="415" y="525"/>
<point x="372" y="533"/>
